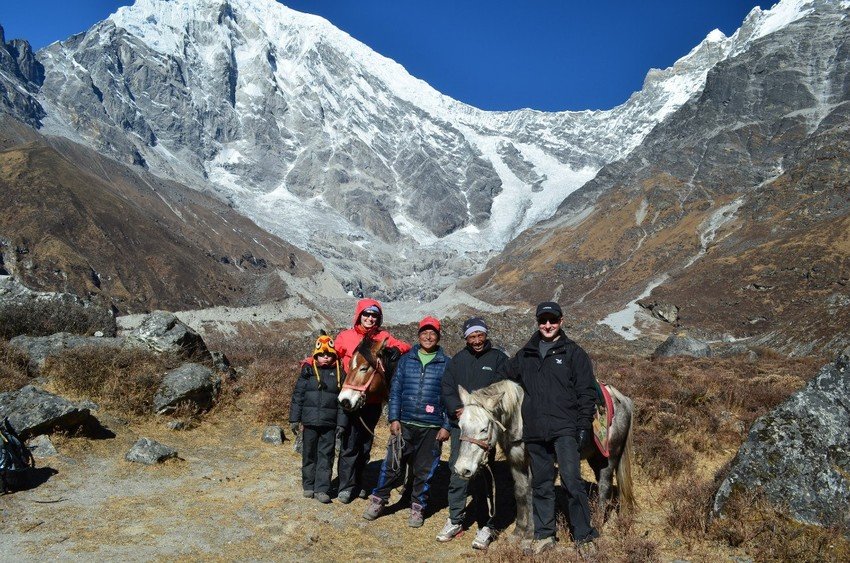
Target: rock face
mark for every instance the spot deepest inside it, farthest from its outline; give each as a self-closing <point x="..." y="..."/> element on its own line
<point x="22" y="75"/>
<point x="149" y="452"/>
<point x="799" y="453"/>
<point x="164" y="332"/>
<point x="33" y="411"/>
<point x="682" y="345"/>
<point x="190" y="382"/>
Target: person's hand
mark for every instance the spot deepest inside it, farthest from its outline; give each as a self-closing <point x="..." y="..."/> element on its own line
<point x="395" y="428"/>
<point x="443" y="435"/>
<point x="295" y="427"/>
<point x="340" y="430"/>
<point x="583" y="438"/>
<point x="458" y="413"/>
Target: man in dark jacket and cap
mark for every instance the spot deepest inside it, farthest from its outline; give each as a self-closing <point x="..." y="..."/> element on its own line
<point x="473" y="368"/>
<point x="557" y="413"/>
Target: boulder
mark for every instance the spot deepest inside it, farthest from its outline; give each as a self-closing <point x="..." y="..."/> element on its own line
<point x="682" y="345"/>
<point x="162" y="331"/>
<point x="33" y="411"/>
<point x="39" y="348"/>
<point x="149" y="452"/>
<point x="798" y="455"/>
<point x="667" y="312"/>
<point x="190" y="382"/>
<point x="273" y="435"/>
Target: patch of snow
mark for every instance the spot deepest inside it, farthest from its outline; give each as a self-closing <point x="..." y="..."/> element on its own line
<point x="640" y="212"/>
<point x="623" y="322"/>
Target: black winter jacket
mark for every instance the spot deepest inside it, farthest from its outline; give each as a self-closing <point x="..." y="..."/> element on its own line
<point x="314" y="404"/>
<point x="560" y="390"/>
<point x="472" y="371"/>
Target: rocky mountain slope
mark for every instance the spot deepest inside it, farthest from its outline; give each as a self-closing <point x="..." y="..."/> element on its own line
<point x="82" y="223"/>
<point x="735" y="209"/>
<point x="329" y="145"/>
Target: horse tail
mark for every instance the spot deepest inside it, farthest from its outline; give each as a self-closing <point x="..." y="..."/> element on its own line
<point x="624" y="467"/>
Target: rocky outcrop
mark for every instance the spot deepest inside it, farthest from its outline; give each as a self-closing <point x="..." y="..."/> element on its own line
<point x="682" y="345"/>
<point x="190" y="383"/>
<point x="40" y="348"/>
<point x="22" y="75"/>
<point x="32" y="411"/>
<point x="162" y="331"/>
<point x="798" y="455"/>
<point x="149" y="452"/>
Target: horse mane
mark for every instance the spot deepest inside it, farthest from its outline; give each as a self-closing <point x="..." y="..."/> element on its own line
<point x="507" y="409"/>
<point x="365" y="350"/>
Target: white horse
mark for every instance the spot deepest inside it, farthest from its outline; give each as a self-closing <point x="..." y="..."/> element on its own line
<point x="493" y="415"/>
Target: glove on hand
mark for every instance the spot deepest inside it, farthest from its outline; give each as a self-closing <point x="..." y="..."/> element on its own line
<point x="295" y="427"/>
<point x="340" y="430"/>
<point x="583" y="438"/>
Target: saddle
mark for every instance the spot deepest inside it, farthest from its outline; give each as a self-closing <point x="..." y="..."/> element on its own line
<point x="602" y="420"/>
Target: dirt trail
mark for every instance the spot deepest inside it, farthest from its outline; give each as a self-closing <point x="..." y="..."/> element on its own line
<point x="230" y="497"/>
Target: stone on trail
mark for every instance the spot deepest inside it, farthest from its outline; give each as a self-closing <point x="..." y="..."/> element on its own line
<point x="273" y="435"/>
<point x="149" y="452"/>
<point x="798" y="455"/>
<point x="191" y="383"/>
<point x="41" y="446"/>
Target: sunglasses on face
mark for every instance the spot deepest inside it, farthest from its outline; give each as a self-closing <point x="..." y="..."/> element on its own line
<point x="548" y="320"/>
<point x="369" y="314"/>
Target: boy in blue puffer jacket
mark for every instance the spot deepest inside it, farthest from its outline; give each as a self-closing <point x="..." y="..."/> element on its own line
<point x="418" y="423"/>
<point x="315" y="412"/>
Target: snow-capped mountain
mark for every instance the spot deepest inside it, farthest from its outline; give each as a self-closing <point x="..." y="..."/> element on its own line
<point x="399" y="189"/>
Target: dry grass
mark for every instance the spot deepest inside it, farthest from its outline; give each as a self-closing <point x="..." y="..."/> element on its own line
<point x="123" y="380"/>
<point x="13" y="368"/>
<point x="45" y="317"/>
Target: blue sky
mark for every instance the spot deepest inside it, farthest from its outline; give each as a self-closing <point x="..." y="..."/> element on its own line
<point x="493" y="54"/>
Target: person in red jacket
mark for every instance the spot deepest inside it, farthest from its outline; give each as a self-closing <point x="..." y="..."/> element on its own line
<point x="356" y="440"/>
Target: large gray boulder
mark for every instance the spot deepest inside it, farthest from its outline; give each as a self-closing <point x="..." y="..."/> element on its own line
<point x="39" y="348"/>
<point x="33" y="411"/>
<point x="798" y="454"/>
<point x="192" y="383"/>
<point x="162" y="331"/>
<point x="682" y="345"/>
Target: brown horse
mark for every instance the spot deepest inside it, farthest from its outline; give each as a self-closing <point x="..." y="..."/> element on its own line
<point x="369" y="374"/>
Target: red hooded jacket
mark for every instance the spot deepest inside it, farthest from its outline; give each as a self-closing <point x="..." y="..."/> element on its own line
<point x="348" y="340"/>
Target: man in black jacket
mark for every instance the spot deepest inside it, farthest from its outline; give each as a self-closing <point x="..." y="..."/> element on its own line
<point x="557" y="411"/>
<point x="473" y="367"/>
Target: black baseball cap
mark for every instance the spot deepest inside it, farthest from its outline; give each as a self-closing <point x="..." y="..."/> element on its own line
<point x="550" y="308"/>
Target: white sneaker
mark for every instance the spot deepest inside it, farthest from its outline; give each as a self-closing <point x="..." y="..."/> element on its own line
<point x="483" y="538"/>
<point x="450" y="531"/>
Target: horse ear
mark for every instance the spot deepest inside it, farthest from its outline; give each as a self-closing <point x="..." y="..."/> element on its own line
<point x="492" y="400"/>
<point x="464" y="394"/>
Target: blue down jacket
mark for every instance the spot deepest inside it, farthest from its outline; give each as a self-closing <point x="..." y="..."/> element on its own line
<point x="415" y="391"/>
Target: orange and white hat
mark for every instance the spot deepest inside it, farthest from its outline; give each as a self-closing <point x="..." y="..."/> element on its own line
<point x="324" y="345"/>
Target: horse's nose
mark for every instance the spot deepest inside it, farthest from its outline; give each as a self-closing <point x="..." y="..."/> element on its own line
<point x="465" y="473"/>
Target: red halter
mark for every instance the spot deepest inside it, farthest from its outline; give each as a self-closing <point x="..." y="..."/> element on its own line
<point x="377" y="368"/>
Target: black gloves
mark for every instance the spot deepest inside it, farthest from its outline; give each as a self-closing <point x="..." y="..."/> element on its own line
<point x="295" y="427"/>
<point x="583" y="438"/>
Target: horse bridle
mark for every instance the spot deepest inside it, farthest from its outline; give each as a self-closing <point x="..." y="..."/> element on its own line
<point x="484" y="444"/>
<point x="377" y="367"/>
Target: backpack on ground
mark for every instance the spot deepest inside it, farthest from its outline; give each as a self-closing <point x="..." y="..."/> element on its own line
<point x="15" y="458"/>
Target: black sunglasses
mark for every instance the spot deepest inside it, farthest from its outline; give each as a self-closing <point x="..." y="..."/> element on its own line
<point x="369" y="314"/>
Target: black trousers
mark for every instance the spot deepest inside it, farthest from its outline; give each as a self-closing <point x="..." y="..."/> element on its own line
<point x="422" y="452"/>
<point x="317" y="458"/>
<point x="543" y="456"/>
<point x="460" y="488"/>
<point x="356" y="447"/>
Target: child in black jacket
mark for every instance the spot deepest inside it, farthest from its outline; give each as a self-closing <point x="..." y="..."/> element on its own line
<point x="315" y="411"/>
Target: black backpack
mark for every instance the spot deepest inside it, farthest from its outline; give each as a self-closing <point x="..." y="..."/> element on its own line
<point x="15" y="458"/>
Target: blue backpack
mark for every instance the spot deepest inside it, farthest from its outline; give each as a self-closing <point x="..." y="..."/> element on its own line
<point x="15" y="458"/>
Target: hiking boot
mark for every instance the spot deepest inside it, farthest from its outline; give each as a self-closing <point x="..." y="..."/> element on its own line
<point x="324" y="498"/>
<point x="344" y="497"/>
<point x="587" y="549"/>
<point x="540" y="546"/>
<point x="308" y="493"/>
<point x="416" y="518"/>
<point x="483" y="538"/>
<point x="376" y="506"/>
<point x="363" y="494"/>
<point x="450" y="531"/>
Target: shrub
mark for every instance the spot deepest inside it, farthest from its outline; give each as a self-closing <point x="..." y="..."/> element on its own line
<point x="13" y="368"/>
<point x="42" y="317"/>
<point x="125" y="379"/>
<point x="659" y="456"/>
<point x="689" y="500"/>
